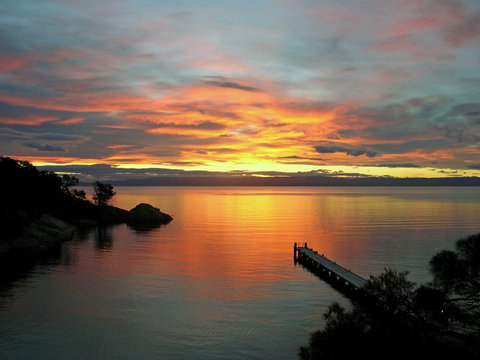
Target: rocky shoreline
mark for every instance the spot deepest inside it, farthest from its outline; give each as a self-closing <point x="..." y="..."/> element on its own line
<point x="47" y="231"/>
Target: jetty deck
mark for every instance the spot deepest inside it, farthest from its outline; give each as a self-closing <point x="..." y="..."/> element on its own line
<point x="329" y="270"/>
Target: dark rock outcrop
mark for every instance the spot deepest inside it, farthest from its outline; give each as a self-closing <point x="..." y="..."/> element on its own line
<point x="40" y="235"/>
<point x="146" y="215"/>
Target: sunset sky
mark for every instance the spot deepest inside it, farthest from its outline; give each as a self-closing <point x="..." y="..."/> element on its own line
<point x="374" y="87"/>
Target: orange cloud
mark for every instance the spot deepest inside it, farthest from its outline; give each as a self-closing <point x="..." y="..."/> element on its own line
<point x="120" y="147"/>
<point x="26" y="120"/>
<point x="71" y="121"/>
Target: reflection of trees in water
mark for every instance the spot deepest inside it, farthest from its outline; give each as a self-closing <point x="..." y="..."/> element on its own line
<point x="143" y="228"/>
<point x="16" y="270"/>
<point x="103" y="238"/>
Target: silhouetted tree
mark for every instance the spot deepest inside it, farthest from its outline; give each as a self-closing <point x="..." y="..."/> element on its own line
<point x="457" y="273"/>
<point x="102" y="193"/>
<point x="373" y="324"/>
<point x="67" y="183"/>
<point x="22" y="185"/>
<point x="393" y="319"/>
<point x="431" y="306"/>
<point x="390" y="292"/>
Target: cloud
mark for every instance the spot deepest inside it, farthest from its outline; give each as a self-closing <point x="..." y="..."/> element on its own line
<point x="404" y="147"/>
<point x="395" y="165"/>
<point x="26" y="120"/>
<point x="43" y="147"/>
<point x="465" y="29"/>
<point x="369" y="78"/>
<point x="206" y="125"/>
<point x="11" y="134"/>
<point x="232" y="85"/>
<point x="115" y="173"/>
<point x="474" y="166"/>
<point x="72" y="120"/>
<point x="349" y="150"/>
<point x="60" y="137"/>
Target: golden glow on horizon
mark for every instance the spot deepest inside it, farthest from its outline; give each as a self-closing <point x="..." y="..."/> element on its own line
<point x="262" y="167"/>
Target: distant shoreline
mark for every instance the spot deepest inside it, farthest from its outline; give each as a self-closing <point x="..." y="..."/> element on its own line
<point x="294" y="181"/>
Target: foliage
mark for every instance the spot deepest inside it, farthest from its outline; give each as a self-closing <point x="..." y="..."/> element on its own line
<point x="390" y="293"/>
<point x="67" y="183"/>
<point x="103" y="192"/>
<point x="394" y="317"/>
<point x="457" y="274"/>
<point x="27" y="192"/>
<point x="23" y="186"/>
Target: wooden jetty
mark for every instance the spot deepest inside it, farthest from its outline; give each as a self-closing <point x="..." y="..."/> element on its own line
<point x="339" y="277"/>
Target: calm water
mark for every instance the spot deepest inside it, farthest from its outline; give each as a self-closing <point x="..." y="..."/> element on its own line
<point x="219" y="281"/>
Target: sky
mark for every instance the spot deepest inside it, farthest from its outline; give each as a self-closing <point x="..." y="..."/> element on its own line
<point x="369" y="87"/>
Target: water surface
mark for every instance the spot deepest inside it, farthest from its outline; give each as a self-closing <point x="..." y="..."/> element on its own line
<point x="219" y="281"/>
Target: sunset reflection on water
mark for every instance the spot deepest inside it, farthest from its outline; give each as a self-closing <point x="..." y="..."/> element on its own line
<point x="251" y="230"/>
<point x="219" y="281"/>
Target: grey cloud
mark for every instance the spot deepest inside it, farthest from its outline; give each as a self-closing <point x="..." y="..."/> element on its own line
<point x="473" y="117"/>
<point x="342" y="133"/>
<point x="308" y="106"/>
<point x="412" y="145"/>
<point x="463" y="31"/>
<point x="105" y="172"/>
<point x="358" y="152"/>
<point x="459" y="134"/>
<point x="472" y="114"/>
<point x="43" y="147"/>
<point x="209" y="125"/>
<point x="468" y="111"/>
<point x="222" y="150"/>
<point x="394" y="165"/>
<point x="204" y="108"/>
<point x="61" y="137"/>
<point x="224" y="114"/>
<point x="301" y="158"/>
<point x="273" y="124"/>
<point x="155" y="113"/>
<point x="474" y="166"/>
<point x="220" y="81"/>
<point x="206" y="125"/>
<point x="330" y="149"/>
<point x="109" y="172"/>
<point x="232" y="85"/>
<point x="12" y="88"/>
<point x="11" y="134"/>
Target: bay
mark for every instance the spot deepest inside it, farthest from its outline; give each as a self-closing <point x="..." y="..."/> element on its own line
<point x="219" y="281"/>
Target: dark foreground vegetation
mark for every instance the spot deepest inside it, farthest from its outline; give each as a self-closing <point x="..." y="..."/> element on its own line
<point x="394" y="319"/>
<point x="41" y="208"/>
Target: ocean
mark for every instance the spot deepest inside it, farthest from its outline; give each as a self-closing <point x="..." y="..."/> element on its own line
<point x="219" y="281"/>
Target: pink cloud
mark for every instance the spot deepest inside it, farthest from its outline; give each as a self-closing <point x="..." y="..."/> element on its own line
<point x="71" y="121"/>
<point x="9" y="62"/>
<point x="26" y="120"/>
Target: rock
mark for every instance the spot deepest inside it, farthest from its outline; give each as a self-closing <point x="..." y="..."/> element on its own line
<point x="49" y="228"/>
<point x="147" y="215"/>
<point x="40" y="235"/>
<point x="39" y="232"/>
